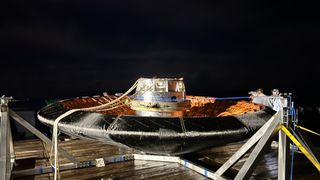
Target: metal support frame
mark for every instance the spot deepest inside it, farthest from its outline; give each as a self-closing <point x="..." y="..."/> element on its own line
<point x="261" y="140"/>
<point x="283" y="148"/>
<point x="41" y="136"/>
<point x="250" y="164"/>
<point x="279" y="123"/>
<point x="264" y="136"/>
<point x="245" y="148"/>
<point x="5" y="140"/>
<point x="12" y="155"/>
<point x="174" y="159"/>
<point x="7" y="157"/>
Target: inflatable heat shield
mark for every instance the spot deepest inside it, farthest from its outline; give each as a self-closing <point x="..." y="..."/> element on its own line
<point x="159" y="119"/>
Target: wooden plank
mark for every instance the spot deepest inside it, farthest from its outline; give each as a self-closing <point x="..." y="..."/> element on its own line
<point x="140" y="169"/>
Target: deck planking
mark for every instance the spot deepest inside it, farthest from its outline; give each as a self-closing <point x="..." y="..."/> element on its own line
<point x="36" y="153"/>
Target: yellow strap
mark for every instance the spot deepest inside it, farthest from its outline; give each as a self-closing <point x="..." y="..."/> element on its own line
<point x="301" y="147"/>
<point x="308" y="130"/>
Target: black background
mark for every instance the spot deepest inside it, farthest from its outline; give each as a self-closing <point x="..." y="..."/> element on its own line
<point x="221" y="48"/>
<point x="60" y="49"/>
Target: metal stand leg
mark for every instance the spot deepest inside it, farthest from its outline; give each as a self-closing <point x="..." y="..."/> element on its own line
<point x="283" y="150"/>
<point x="12" y="155"/>
<point x="5" y="166"/>
<point x="282" y="156"/>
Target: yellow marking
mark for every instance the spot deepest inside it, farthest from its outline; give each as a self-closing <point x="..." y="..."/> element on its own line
<point x="308" y="130"/>
<point x="301" y="147"/>
<point x="275" y="114"/>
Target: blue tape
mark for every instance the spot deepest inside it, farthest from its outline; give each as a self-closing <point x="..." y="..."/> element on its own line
<point x="232" y="98"/>
<point x="157" y="98"/>
<point x="114" y="159"/>
<point x="205" y="173"/>
<point x="121" y="158"/>
<point x="293" y="145"/>
<point x="185" y="163"/>
<point x="40" y="169"/>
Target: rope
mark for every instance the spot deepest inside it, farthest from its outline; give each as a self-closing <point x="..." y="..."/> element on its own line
<point x="54" y="147"/>
<point x="222" y="98"/>
<point x="303" y="149"/>
<point x="112" y="104"/>
<point x="232" y="98"/>
<point x="308" y="130"/>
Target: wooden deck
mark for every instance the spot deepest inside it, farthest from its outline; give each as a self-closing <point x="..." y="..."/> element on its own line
<point x="33" y="153"/>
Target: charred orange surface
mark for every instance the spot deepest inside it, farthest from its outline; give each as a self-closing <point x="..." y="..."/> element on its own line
<point x="240" y="108"/>
<point x="208" y="106"/>
<point x="200" y="106"/>
<point x="199" y="101"/>
<point x="84" y="102"/>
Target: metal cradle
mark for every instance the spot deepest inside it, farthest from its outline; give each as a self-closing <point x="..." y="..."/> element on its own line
<point x="278" y="124"/>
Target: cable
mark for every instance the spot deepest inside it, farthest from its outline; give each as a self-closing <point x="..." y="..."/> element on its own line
<point x="109" y="105"/>
<point x="308" y="130"/>
<point x="233" y="98"/>
<point x="293" y="145"/>
<point x="54" y="146"/>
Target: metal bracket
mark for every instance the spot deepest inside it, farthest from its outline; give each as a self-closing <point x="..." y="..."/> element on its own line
<point x="188" y="164"/>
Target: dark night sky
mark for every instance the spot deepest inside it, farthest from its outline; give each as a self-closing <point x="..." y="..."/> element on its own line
<point x="221" y="48"/>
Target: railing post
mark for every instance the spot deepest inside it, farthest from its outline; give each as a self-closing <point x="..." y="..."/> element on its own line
<point x="5" y="164"/>
<point x="284" y="145"/>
